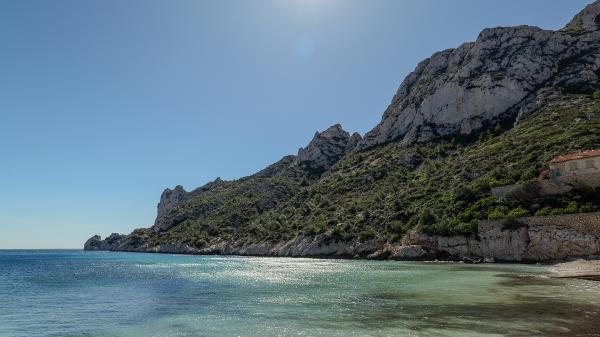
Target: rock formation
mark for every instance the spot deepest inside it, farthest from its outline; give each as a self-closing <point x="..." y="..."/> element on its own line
<point x="586" y="20"/>
<point x="326" y="148"/>
<point x="170" y="198"/>
<point x="535" y="239"/>
<point x="459" y="91"/>
<point x="111" y="242"/>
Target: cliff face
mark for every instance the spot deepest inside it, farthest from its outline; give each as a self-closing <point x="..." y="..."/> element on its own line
<point x="171" y="198"/>
<point x="531" y="240"/>
<point x="414" y="187"/>
<point x="500" y="75"/>
<point x="326" y="148"/>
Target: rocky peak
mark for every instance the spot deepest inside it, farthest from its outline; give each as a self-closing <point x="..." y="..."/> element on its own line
<point x="171" y="198"/>
<point x="587" y="20"/>
<point x="462" y="90"/>
<point x="326" y="148"/>
<point x="168" y="200"/>
<point x="353" y="141"/>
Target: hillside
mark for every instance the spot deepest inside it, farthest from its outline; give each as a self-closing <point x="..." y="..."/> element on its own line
<point x="488" y="113"/>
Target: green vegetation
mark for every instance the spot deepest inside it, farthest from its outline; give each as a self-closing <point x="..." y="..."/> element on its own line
<point x="441" y="187"/>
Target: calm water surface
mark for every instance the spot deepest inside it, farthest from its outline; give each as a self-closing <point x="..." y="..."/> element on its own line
<point x="75" y="293"/>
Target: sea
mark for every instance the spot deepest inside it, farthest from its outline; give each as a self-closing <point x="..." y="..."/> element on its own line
<point x="62" y="293"/>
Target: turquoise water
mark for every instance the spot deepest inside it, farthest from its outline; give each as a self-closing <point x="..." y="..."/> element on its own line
<point x="75" y="293"/>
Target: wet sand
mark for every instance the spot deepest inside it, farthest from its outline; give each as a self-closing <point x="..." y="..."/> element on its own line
<point x="583" y="269"/>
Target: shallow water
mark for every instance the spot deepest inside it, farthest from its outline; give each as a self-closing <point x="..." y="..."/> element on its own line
<point x="75" y="293"/>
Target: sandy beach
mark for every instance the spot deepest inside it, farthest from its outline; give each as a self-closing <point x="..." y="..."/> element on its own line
<point x="587" y="269"/>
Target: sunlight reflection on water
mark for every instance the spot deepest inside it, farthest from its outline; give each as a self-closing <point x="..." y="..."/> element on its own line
<point x="77" y="293"/>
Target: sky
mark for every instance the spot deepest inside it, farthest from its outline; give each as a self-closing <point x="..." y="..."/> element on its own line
<point x="105" y="103"/>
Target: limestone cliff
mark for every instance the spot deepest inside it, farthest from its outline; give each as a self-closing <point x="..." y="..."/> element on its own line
<point x="495" y="78"/>
<point x="170" y="198"/>
<point x="326" y="148"/>
<point x="536" y="239"/>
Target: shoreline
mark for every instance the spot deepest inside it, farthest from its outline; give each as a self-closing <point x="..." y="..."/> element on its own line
<point x="547" y="240"/>
<point x="564" y="268"/>
<point x="580" y="269"/>
<point x="586" y="269"/>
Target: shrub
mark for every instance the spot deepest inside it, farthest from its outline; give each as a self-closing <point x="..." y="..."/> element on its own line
<point x="426" y="217"/>
<point x="367" y="233"/>
<point x="463" y="228"/>
<point x="518" y="212"/>
<point x="571" y="208"/>
<point x="313" y="230"/>
<point x="529" y="173"/>
<point x="395" y="237"/>
<point x="496" y="214"/>
<point x="544" y="211"/>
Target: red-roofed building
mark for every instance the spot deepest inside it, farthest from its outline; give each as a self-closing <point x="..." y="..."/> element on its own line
<point x="575" y="164"/>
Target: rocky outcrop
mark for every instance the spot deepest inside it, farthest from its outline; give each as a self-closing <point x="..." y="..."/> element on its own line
<point x="533" y="239"/>
<point x="353" y="141"/>
<point x="110" y="243"/>
<point x="168" y="200"/>
<point x="171" y="198"/>
<point x="530" y="239"/>
<point x="410" y="253"/>
<point x="326" y="148"/>
<point x="586" y="20"/>
<point x="460" y="91"/>
<point x="95" y="243"/>
<point x="535" y="188"/>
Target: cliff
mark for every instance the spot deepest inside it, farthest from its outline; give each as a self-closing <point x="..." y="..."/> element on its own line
<point x="532" y="239"/>
<point x="498" y="77"/>
<point x="489" y="113"/>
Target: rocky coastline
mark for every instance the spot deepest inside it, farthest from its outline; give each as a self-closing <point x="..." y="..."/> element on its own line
<point x="338" y="197"/>
<point x="527" y="240"/>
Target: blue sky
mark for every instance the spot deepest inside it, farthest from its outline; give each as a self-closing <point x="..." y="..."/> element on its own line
<point x="103" y="104"/>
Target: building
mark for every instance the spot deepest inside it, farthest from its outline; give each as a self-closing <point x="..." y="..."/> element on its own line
<point x="566" y="173"/>
<point x="575" y="164"/>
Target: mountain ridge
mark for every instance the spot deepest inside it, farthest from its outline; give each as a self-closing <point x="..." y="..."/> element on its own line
<point x="493" y="87"/>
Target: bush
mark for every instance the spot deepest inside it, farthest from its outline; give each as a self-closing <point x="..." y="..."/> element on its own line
<point x="496" y="214"/>
<point x="571" y="208"/>
<point x="395" y="237"/>
<point x="313" y="230"/>
<point x="544" y="211"/>
<point x="529" y="173"/>
<point x="367" y="233"/>
<point x="426" y="217"/>
<point x="465" y="228"/>
<point x="517" y="213"/>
